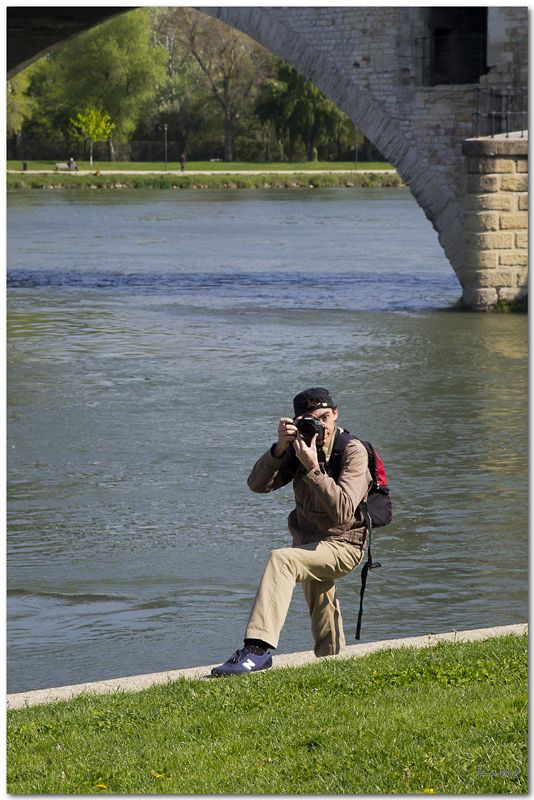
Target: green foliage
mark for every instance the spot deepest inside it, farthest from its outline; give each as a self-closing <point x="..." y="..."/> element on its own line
<point x="327" y="728"/>
<point x="20" y="105"/>
<point x="299" y="111"/>
<point x="114" y="66"/>
<point x="46" y="91"/>
<point x="93" y="124"/>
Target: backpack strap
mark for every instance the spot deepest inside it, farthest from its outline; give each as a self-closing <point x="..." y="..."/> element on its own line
<point x="369" y="564"/>
<point x="341" y="440"/>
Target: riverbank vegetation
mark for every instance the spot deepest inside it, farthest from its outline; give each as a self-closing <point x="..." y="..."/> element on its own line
<point x="173" y="80"/>
<point x="451" y="719"/>
<point x="26" y="180"/>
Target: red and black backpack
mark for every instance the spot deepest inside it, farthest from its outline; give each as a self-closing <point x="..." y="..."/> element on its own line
<point x="378" y="505"/>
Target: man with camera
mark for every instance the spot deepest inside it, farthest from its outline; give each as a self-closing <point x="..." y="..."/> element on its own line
<point x="326" y="524"/>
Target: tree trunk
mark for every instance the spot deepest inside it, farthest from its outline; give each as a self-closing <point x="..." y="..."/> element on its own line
<point x="91" y="152"/>
<point x="291" y="149"/>
<point x="229" y="141"/>
<point x="111" y="149"/>
<point x="309" y="150"/>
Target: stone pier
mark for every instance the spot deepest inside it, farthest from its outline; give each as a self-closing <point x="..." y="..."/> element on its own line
<point x="495" y="268"/>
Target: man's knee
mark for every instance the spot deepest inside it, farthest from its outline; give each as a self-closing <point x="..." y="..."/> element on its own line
<point x="282" y="559"/>
<point x="281" y="555"/>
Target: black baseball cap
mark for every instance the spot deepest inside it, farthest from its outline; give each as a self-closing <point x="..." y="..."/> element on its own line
<point x="311" y="400"/>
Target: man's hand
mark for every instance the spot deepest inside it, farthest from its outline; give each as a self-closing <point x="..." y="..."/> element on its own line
<point x="307" y="455"/>
<point x="287" y="433"/>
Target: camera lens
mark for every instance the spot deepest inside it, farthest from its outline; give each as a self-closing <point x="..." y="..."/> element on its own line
<point x="308" y="426"/>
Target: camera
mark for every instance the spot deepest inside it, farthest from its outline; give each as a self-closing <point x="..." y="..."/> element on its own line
<point x="308" y="426"/>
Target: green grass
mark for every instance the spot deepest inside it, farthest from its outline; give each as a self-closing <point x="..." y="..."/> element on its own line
<point x="451" y="719"/>
<point x="215" y="166"/>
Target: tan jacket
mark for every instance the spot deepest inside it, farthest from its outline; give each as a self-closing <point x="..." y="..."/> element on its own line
<point x="324" y="509"/>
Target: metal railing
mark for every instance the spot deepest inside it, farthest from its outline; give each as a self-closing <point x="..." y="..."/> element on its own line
<point x="29" y="148"/>
<point x="500" y="112"/>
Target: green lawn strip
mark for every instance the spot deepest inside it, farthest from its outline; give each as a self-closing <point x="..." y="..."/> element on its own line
<point x="28" y="180"/>
<point x="213" y="166"/>
<point x="451" y="719"/>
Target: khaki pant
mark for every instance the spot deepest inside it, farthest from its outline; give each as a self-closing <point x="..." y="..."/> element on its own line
<point x="316" y="566"/>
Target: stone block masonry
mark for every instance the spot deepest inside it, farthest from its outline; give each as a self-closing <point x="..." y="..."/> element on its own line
<point x="495" y="268"/>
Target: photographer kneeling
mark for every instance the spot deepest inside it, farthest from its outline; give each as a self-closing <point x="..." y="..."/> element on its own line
<point x="327" y="527"/>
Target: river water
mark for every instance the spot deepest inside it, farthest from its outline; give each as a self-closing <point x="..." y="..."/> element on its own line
<point x="154" y="340"/>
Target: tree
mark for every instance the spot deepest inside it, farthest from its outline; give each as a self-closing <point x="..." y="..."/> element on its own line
<point x="232" y="63"/>
<point x="92" y="125"/>
<point x="115" y="66"/>
<point x="19" y="106"/>
<point x="184" y="101"/>
<point x="299" y="111"/>
<point x="50" y="115"/>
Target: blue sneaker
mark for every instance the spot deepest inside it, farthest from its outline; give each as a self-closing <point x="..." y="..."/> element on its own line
<point x="242" y="662"/>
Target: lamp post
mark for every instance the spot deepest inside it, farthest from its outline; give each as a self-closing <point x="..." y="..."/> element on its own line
<point x="165" y="126"/>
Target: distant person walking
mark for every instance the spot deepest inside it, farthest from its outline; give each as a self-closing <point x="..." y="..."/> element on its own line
<point x="183" y="161"/>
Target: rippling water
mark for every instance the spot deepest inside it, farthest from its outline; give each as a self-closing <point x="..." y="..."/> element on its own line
<point x="155" y="338"/>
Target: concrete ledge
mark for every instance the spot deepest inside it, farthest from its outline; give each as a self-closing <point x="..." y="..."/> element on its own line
<point x="501" y="145"/>
<point x="137" y="683"/>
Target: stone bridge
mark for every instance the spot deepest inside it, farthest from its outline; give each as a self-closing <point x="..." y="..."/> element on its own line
<point x="424" y="85"/>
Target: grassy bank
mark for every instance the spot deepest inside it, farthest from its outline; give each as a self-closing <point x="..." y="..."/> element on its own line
<point x="212" y="166"/>
<point x="28" y="180"/>
<point x="451" y="719"/>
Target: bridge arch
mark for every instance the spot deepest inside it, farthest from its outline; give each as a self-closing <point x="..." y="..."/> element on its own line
<point x="436" y="199"/>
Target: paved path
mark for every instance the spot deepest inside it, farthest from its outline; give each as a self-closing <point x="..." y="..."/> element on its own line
<point x="136" y="683"/>
<point x="205" y="172"/>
